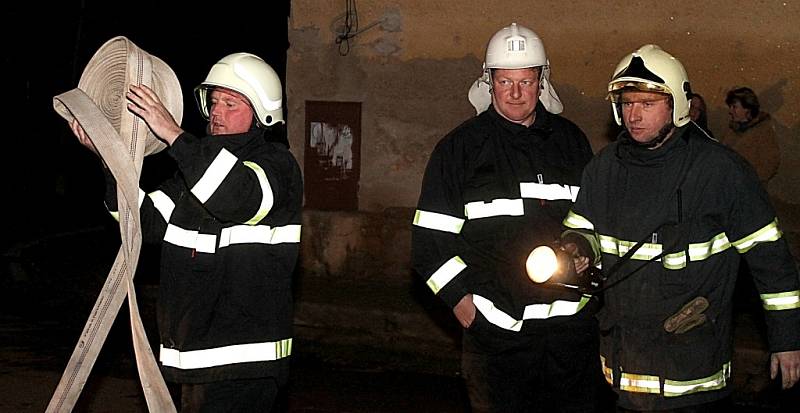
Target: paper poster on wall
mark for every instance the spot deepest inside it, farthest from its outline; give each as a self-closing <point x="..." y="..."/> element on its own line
<point x="332" y="155"/>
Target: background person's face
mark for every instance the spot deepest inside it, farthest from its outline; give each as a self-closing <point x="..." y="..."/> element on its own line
<point x="230" y="112"/>
<point x="515" y="93"/>
<point x="645" y="114"/>
<point x="738" y="113"/>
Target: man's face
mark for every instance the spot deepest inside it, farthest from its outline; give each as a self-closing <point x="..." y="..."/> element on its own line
<point x="515" y="93"/>
<point x="230" y="112"/>
<point x="738" y="113"/>
<point x="645" y="114"/>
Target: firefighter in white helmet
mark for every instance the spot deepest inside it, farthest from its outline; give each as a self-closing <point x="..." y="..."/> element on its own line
<point x="228" y="224"/>
<point x="495" y="187"/>
<point x="689" y="208"/>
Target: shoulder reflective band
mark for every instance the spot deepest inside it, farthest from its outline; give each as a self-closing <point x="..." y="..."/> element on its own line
<point x="446" y="273"/>
<point x="214" y="175"/>
<point x="437" y="221"/>
<point x="221" y="356"/>
<point x="789" y="300"/>
<point x="715" y="381"/>
<point x="576" y="221"/>
<point x="163" y="204"/>
<point x="551" y="192"/>
<point x="259" y="234"/>
<point x="503" y="320"/>
<point x="190" y="239"/>
<point x="768" y="233"/>
<point x="267" y="198"/>
<point x="498" y="207"/>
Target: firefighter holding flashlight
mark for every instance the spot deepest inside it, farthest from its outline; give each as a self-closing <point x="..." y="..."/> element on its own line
<point x="496" y="186"/>
<point x="679" y="209"/>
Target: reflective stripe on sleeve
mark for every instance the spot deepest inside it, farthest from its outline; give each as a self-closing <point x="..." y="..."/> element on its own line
<point x="190" y="239"/>
<point x="163" y="204"/>
<point x="503" y="320"/>
<point x="437" y="221"/>
<point x="768" y="233"/>
<point x="781" y="301"/>
<point x="267" y="197"/>
<point x="259" y="234"/>
<point x="214" y="175"/>
<point x="221" y="356"/>
<point x="613" y="246"/>
<point x="498" y="207"/>
<point x="576" y="221"/>
<point x="550" y="192"/>
<point x="715" y="381"/>
<point x="446" y="273"/>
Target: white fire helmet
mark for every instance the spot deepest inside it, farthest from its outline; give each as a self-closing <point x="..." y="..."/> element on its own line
<point x="651" y="69"/>
<point x="251" y="76"/>
<point x="514" y="47"/>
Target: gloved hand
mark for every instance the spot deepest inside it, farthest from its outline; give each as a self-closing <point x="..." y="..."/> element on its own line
<point x="688" y="317"/>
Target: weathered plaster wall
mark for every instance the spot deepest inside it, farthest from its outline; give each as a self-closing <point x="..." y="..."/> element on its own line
<point x="412" y="69"/>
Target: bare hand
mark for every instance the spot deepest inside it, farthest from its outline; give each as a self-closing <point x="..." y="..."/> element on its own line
<point x="581" y="263"/>
<point x="83" y="138"/>
<point x="789" y="364"/>
<point x="465" y="311"/>
<point x="147" y="105"/>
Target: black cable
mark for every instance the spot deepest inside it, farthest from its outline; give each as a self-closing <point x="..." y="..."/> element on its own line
<point x="350" y="28"/>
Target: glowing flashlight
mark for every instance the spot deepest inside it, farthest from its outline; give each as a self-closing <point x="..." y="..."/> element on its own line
<point x="541" y="264"/>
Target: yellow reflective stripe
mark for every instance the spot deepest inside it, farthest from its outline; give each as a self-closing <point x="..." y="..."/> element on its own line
<point x="697" y="252"/>
<point x="259" y="234"/>
<point x="715" y="381"/>
<point x="115" y="215"/>
<point x="190" y="239"/>
<point x="781" y="301"/>
<point x="550" y="192"/>
<point x="554" y="309"/>
<point x="639" y="383"/>
<point x="497" y="207"/>
<point x="163" y="204"/>
<point x="214" y="175"/>
<point x="613" y="246"/>
<point x="267" y="198"/>
<point x="503" y="320"/>
<point x="446" y="273"/>
<point x="607" y="371"/>
<point x="495" y="315"/>
<point x="576" y="221"/>
<point x="437" y="221"/>
<point x="768" y="233"/>
<point x="221" y="356"/>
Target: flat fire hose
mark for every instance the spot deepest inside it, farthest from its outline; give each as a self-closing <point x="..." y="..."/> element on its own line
<point x="123" y="156"/>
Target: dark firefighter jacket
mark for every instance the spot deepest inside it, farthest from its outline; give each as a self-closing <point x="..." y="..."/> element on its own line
<point x="229" y="227"/>
<point x="493" y="190"/>
<point x="701" y="204"/>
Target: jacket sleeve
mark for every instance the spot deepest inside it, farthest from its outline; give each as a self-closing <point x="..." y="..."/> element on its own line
<point x="215" y="176"/>
<point x="439" y="252"/>
<point x="578" y="224"/>
<point x="155" y="208"/>
<point x="753" y="231"/>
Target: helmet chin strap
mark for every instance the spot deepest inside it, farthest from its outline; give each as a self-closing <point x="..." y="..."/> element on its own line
<point x="662" y="135"/>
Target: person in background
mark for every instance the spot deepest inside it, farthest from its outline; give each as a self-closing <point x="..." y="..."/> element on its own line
<point x="669" y="213"/>
<point x="698" y="112"/>
<point x="494" y="188"/>
<point x="229" y="228"/>
<point x="751" y="133"/>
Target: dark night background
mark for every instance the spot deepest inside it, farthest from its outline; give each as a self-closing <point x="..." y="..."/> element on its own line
<point x="50" y="181"/>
